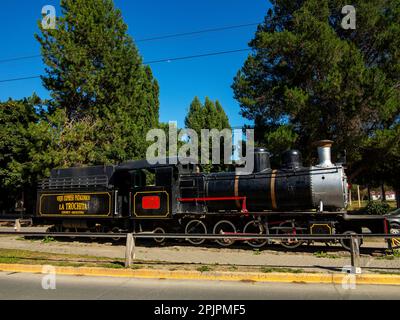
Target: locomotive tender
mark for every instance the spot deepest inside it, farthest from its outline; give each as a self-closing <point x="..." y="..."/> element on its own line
<point x="292" y="200"/>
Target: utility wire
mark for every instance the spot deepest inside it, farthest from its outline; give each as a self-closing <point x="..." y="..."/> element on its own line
<point x="19" y="79"/>
<point x="20" y="58"/>
<point x="155" y="61"/>
<point x="155" y="38"/>
<point x="197" y="32"/>
<point x="198" y="56"/>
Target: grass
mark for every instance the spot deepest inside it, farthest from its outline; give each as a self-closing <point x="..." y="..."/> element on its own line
<point x="13" y="256"/>
<point x="204" y="269"/>
<point x="114" y="265"/>
<point x="391" y="255"/>
<point x="283" y="270"/>
<point x="10" y="256"/>
<point x="48" y="240"/>
<point x="136" y="267"/>
<point x="256" y="252"/>
<point x="386" y="272"/>
<point x="323" y="254"/>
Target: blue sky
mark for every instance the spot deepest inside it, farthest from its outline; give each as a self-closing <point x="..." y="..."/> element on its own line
<point x="179" y="81"/>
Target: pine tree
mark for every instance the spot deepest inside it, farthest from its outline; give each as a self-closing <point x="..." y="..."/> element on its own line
<point x="309" y="79"/>
<point x="210" y="115"/>
<point x="95" y="73"/>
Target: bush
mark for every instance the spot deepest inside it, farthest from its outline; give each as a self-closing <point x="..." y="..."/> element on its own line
<point x="377" y="208"/>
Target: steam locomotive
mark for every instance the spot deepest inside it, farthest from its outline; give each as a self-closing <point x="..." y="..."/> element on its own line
<point x="175" y="197"/>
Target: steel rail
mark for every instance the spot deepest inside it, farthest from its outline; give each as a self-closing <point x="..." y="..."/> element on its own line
<point x="197" y="236"/>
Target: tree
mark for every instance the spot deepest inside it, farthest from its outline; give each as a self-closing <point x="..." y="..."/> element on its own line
<point x="18" y="173"/>
<point x="209" y="116"/>
<point x="382" y="151"/>
<point x="309" y="79"/>
<point x="95" y="74"/>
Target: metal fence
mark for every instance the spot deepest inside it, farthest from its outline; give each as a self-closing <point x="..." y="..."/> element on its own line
<point x="131" y="239"/>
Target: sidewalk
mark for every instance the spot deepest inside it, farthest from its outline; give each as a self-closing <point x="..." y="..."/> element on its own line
<point x="313" y="259"/>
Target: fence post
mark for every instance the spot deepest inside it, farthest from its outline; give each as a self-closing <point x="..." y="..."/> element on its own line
<point x="129" y="250"/>
<point x="355" y="254"/>
<point x="17" y="226"/>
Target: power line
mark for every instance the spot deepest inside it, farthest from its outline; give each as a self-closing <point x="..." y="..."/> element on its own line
<point x="20" y="58"/>
<point x="154" y="61"/>
<point x="197" y="56"/>
<point x="176" y="35"/>
<point x="19" y="79"/>
<point x="155" y="38"/>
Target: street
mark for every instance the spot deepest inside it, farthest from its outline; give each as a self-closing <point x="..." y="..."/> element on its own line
<point x="29" y="287"/>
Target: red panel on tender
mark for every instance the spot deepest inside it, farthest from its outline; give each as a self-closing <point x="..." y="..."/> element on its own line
<point x="151" y="203"/>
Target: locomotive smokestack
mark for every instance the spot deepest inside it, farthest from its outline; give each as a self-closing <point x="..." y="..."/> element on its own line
<point x="324" y="153"/>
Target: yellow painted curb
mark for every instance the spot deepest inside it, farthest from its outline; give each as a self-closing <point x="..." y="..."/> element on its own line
<point x="371" y="279"/>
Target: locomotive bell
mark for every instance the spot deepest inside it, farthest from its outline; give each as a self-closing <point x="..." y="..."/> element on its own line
<point x="324" y="153"/>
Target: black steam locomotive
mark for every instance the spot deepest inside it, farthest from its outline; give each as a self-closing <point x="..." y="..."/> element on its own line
<point x="143" y="197"/>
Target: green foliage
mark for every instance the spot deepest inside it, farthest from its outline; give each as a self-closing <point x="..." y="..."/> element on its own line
<point x="281" y="139"/>
<point x="104" y="100"/>
<point x="48" y="240"/>
<point x="309" y="79"/>
<point x="204" y="269"/>
<point x="377" y="208"/>
<point x="280" y="270"/>
<point x="382" y="150"/>
<point x="323" y="254"/>
<point x="18" y="144"/>
<point x="96" y="77"/>
<point x="210" y="115"/>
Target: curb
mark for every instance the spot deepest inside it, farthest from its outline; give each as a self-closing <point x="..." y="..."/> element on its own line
<point x="370" y="279"/>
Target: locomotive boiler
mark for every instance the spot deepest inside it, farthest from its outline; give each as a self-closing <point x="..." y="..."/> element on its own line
<point x="173" y="196"/>
<point x="291" y="188"/>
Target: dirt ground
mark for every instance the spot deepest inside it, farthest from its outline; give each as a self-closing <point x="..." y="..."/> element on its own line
<point x="316" y="257"/>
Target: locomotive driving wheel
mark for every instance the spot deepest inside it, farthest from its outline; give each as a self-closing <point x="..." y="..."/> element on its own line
<point x="224" y="227"/>
<point x="115" y="230"/>
<point x="196" y="227"/>
<point x="97" y="229"/>
<point x="257" y="228"/>
<point x="71" y="230"/>
<point x="290" y="228"/>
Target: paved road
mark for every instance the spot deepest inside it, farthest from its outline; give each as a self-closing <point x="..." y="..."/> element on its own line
<point x="29" y="286"/>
